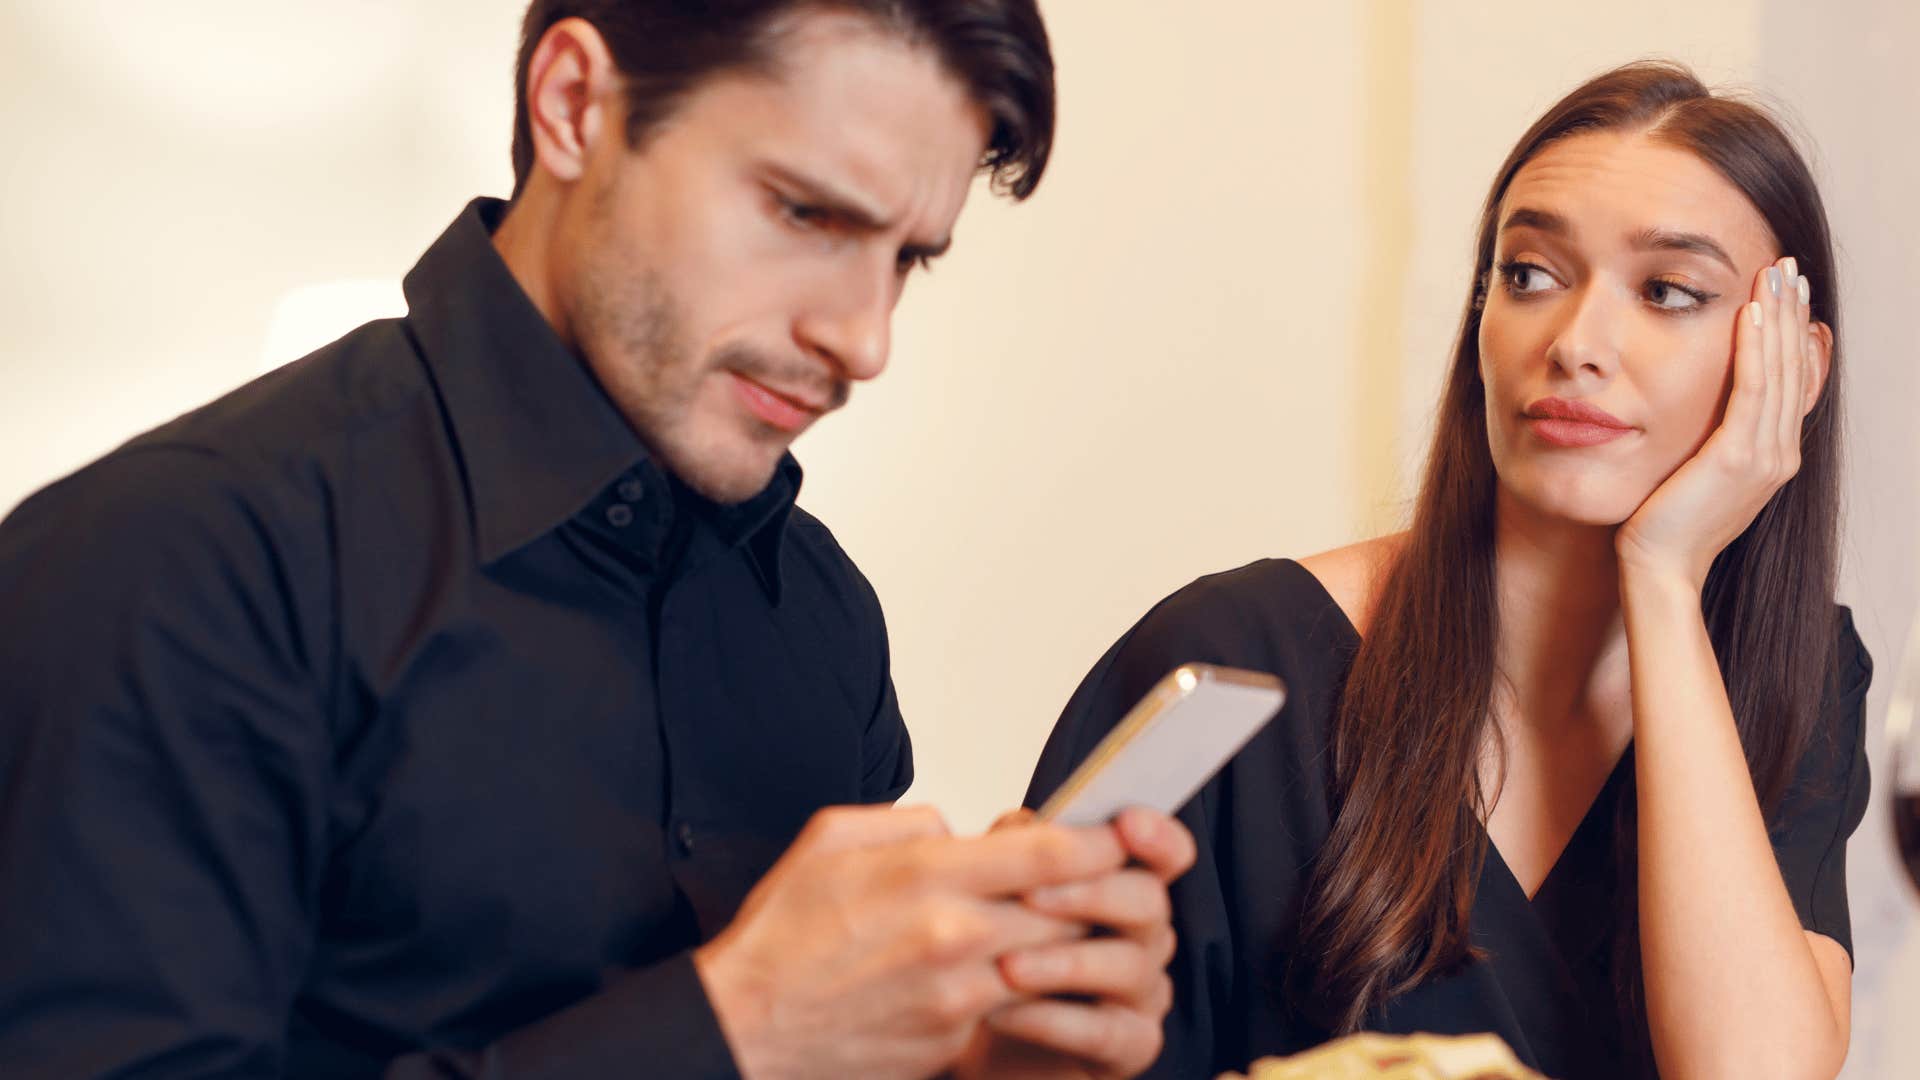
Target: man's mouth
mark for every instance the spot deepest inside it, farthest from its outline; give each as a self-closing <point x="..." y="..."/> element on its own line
<point x="777" y="410"/>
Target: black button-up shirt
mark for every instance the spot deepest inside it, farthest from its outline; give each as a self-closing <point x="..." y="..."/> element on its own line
<point x="395" y="711"/>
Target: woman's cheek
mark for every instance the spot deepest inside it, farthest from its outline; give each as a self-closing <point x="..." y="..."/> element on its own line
<point x="1689" y="400"/>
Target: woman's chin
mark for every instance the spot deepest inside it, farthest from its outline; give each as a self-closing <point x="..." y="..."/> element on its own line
<point x="1589" y="505"/>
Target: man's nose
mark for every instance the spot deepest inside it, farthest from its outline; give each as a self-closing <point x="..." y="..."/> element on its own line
<point x="851" y="326"/>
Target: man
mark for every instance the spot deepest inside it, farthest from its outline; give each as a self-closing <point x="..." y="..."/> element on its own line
<point x="434" y="705"/>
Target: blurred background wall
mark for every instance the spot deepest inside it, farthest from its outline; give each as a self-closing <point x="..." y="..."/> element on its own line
<point x="1215" y="334"/>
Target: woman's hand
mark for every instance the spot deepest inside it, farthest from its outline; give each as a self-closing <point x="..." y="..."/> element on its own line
<point x="1779" y="365"/>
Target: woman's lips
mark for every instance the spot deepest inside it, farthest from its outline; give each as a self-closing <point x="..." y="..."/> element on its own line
<point x="1560" y="422"/>
<point x="1573" y="432"/>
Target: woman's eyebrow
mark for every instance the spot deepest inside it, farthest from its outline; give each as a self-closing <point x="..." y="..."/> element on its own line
<point x="1649" y="239"/>
<point x="1667" y="240"/>
<point x="1527" y="217"/>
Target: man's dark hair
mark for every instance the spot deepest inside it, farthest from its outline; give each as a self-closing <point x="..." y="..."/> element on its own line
<point x="665" y="48"/>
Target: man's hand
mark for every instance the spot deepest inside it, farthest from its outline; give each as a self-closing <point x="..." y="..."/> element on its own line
<point x="1117" y="1031"/>
<point x="872" y="947"/>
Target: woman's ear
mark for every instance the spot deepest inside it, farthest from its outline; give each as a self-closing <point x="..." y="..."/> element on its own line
<point x="1820" y="354"/>
<point x="571" y="84"/>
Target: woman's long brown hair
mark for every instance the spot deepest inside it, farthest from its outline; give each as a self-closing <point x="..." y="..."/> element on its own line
<point x="1390" y="894"/>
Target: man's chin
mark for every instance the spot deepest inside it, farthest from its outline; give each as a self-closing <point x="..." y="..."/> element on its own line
<point x="724" y="482"/>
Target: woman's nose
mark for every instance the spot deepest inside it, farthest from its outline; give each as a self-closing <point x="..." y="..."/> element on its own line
<point x="1588" y="341"/>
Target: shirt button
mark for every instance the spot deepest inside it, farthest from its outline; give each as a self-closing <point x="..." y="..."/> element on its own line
<point x="685" y="836"/>
<point x="619" y="515"/>
<point x="632" y="490"/>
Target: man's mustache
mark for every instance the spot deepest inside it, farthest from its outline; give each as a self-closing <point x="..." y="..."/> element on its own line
<point x="811" y="383"/>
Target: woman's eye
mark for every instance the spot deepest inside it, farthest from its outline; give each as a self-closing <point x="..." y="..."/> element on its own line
<point x="1526" y="277"/>
<point x="1672" y="296"/>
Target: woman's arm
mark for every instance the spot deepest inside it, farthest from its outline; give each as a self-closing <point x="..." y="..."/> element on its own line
<point x="1735" y="987"/>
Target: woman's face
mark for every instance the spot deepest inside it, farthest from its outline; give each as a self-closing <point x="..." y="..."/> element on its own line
<point x="1606" y="343"/>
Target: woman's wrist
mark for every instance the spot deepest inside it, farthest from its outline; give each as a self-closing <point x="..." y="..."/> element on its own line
<point x="1651" y="589"/>
<point x="1649" y="573"/>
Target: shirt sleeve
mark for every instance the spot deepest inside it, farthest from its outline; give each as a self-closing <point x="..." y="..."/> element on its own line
<point x="652" y="1022"/>
<point x="163" y="763"/>
<point x="888" y="753"/>
<point x="886" y="749"/>
<point x="1828" y="796"/>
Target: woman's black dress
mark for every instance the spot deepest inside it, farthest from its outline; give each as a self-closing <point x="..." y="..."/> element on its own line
<point x="1546" y="983"/>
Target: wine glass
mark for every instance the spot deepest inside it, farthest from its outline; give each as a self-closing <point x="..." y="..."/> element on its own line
<point x="1903" y="737"/>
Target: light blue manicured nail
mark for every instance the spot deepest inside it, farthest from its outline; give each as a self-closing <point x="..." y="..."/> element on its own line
<point x="1773" y="280"/>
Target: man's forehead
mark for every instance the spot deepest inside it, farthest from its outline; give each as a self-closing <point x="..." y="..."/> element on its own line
<point x="856" y="107"/>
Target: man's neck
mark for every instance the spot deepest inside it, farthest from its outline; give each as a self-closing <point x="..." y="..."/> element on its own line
<point x="524" y="241"/>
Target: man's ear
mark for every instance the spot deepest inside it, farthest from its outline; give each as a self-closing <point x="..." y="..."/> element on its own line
<point x="1820" y="355"/>
<point x="571" y="83"/>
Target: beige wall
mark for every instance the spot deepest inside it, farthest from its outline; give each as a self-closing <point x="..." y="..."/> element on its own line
<point x="1852" y="83"/>
<point x="1214" y="335"/>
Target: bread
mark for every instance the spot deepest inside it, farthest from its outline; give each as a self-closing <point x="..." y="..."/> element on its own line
<point x="1397" y="1057"/>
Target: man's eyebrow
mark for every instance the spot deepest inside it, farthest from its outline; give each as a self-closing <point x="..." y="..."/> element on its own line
<point x="1527" y="217"/>
<point x="849" y="210"/>
<point x="1667" y="240"/>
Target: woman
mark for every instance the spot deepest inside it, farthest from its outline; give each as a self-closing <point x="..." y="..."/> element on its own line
<point x="1575" y="758"/>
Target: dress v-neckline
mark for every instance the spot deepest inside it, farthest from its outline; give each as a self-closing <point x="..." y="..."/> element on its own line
<point x="1493" y="850"/>
<point x="1606" y="795"/>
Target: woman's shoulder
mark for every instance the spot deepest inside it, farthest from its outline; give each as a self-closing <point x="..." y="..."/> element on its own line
<point x="1268" y="611"/>
<point x="1351" y="575"/>
<point x="1852" y="670"/>
<point x="1272" y="615"/>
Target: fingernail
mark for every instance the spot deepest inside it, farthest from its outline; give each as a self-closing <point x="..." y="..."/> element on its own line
<point x="1806" y="292"/>
<point x="1753" y="312"/>
<point x="1773" y="280"/>
<point x="1792" y="265"/>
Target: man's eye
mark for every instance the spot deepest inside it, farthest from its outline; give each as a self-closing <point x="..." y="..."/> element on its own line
<point x="802" y="215"/>
<point x="907" y="261"/>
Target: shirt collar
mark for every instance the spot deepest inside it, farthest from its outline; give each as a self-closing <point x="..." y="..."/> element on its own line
<point x="536" y="434"/>
<point x="760" y="523"/>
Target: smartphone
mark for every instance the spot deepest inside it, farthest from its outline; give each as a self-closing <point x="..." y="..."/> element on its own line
<point x="1182" y="732"/>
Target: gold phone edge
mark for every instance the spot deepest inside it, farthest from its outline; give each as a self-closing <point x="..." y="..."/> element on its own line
<point x="1163" y="695"/>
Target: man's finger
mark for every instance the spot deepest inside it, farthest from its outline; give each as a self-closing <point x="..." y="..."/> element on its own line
<point x="1011" y="819"/>
<point x="845" y="828"/>
<point x="1156" y="841"/>
<point x="1114" y="970"/>
<point x="1025" y="857"/>
<point x="1126" y="901"/>
<point x="1114" y="1040"/>
<point x="1013" y="927"/>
